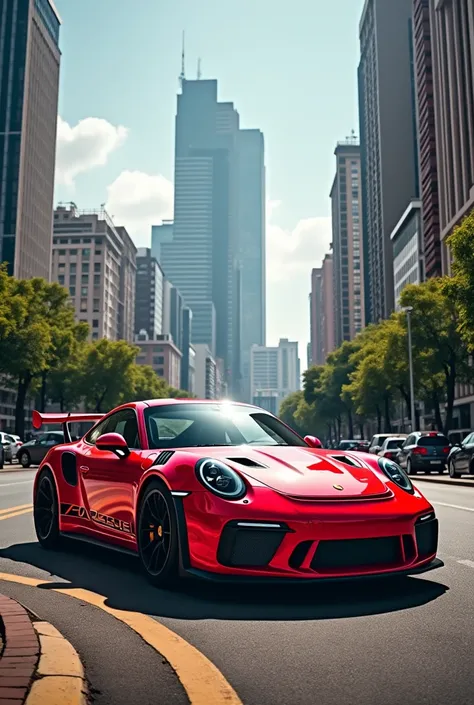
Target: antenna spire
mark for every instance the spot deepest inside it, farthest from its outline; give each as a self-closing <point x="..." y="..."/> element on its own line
<point x="182" y="76"/>
<point x="199" y="73"/>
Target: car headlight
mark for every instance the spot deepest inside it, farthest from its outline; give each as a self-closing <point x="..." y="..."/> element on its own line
<point x="395" y="473"/>
<point x="220" y="479"/>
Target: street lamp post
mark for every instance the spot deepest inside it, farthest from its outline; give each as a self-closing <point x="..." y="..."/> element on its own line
<point x="408" y="310"/>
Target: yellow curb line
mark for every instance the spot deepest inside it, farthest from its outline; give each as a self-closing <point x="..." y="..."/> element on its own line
<point x="16" y="509"/>
<point x="60" y="673"/>
<point x="202" y="681"/>
<point x="15" y="514"/>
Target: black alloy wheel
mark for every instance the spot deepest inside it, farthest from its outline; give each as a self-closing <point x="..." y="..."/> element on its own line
<point x="46" y="512"/>
<point x="25" y="460"/>
<point x="158" y="535"/>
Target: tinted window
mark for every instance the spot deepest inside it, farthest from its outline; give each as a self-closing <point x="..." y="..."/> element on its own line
<point x="395" y="443"/>
<point x="123" y="422"/>
<point x="194" y="425"/>
<point x="433" y="441"/>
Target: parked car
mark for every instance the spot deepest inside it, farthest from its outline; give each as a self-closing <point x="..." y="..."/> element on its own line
<point x="390" y="447"/>
<point x="424" y="451"/>
<point x="7" y="443"/>
<point x="355" y="445"/>
<point x="379" y="438"/>
<point x="33" y="452"/>
<point x="17" y="445"/>
<point x="461" y="457"/>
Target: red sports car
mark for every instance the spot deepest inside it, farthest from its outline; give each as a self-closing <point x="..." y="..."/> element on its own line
<point x="226" y="491"/>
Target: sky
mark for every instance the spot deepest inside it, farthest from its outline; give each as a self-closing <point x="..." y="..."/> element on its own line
<point x="290" y="71"/>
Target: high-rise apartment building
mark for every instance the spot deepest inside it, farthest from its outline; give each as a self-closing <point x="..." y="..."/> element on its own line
<point x="162" y="355"/>
<point x="95" y="260"/>
<point x="251" y="247"/>
<point x="388" y="141"/>
<point x="408" y="254"/>
<point x="428" y="157"/>
<point x="316" y="317"/>
<point x="347" y="242"/>
<point x="29" y="84"/>
<point x="322" y="319"/>
<point x="452" y="34"/>
<point x="275" y="373"/>
<point x="149" y="294"/>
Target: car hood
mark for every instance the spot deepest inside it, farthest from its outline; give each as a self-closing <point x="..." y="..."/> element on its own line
<point x="306" y="473"/>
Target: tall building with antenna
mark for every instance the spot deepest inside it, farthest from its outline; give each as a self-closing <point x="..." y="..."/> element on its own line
<point x="205" y="258"/>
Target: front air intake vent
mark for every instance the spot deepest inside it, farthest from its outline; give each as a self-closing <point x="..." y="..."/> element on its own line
<point x="347" y="461"/>
<point x="248" y="462"/>
<point x="163" y="457"/>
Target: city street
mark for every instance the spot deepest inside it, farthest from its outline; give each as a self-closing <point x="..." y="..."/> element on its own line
<point x="411" y="641"/>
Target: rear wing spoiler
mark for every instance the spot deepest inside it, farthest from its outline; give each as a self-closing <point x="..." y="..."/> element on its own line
<point x="63" y="419"/>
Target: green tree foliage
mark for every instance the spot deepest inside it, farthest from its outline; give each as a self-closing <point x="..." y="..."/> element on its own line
<point x="109" y="373"/>
<point x="460" y="287"/>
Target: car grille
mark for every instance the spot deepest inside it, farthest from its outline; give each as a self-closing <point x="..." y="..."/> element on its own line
<point x="247" y="547"/>
<point x="357" y="553"/>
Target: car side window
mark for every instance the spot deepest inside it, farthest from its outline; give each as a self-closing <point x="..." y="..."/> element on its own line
<point x="97" y="431"/>
<point x="125" y="423"/>
<point x="469" y="441"/>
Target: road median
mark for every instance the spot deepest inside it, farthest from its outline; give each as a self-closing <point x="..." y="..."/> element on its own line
<point x="38" y="666"/>
<point x="444" y="480"/>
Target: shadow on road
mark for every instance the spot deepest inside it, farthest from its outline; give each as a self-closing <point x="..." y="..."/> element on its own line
<point x="118" y="579"/>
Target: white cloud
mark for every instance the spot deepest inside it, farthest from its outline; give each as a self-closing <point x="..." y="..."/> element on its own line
<point x="138" y="200"/>
<point x="291" y="255"/>
<point x="85" y="146"/>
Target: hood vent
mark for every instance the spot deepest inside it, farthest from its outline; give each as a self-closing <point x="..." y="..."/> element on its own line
<point x="247" y="462"/>
<point x="347" y="461"/>
<point x="163" y="457"/>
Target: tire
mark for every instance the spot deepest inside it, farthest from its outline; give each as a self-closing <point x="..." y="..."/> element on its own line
<point x="2" y="457"/>
<point x="157" y="526"/>
<point x="410" y="470"/>
<point x="452" y="471"/>
<point x="46" y="506"/>
<point x="24" y="459"/>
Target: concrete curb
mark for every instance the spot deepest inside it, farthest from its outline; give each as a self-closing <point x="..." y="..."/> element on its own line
<point x="60" y="677"/>
<point x="38" y="666"/>
<point x="444" y="481"/>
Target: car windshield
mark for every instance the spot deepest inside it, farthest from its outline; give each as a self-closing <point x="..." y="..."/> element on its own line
<point x="395" y="443"/>
<point x="346" y="445"/>
<point x="433" y="441"/>
<point x="201" y="425"/>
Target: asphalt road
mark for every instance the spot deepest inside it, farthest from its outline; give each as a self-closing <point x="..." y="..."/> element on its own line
<point x="409" y="642"/>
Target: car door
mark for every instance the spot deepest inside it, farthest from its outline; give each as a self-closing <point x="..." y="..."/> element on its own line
<point x="462" y="459"/>
<point x="110" y="483"/>
<point x="404" y="451"/>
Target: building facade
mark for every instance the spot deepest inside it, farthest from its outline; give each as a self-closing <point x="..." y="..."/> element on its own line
<point x="89" y="258"/>
<point x="162" y="355"/>
<point x="206" y="382"/>
<point x="408" y="253"/>
<point x="29" y="84"/>
<point x="347" y="243"/>
<point x="251" y="248"/>
<point x="149" y="294"/>
<point x="316" y="318"/>
<point x="327" y="306"/>
<point x="427" y="152"/>
<point x="389" y="156"/>
<point x="275" y="373"/>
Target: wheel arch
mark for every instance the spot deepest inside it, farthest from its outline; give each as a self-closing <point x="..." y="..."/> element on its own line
<point x="146" y="483"/>
<point x="48" y="467"/>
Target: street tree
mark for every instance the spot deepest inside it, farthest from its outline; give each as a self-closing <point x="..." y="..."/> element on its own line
<point x="108" y="373"/>
<point x="145" y="384"/>
<point x="460" y="286"/>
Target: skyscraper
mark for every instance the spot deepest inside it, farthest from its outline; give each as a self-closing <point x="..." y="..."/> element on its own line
<point x="388" y="141"/>
<point x="316" y="317"/>
<point x="29" y="83"/>
<point x="149" y="295"/>
<point x="347" y="242"/>
<point x="251" y="247"/>
<point x="203" y="258"/>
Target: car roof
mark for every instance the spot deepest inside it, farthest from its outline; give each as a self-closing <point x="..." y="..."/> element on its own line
<point x="204" y="402"/>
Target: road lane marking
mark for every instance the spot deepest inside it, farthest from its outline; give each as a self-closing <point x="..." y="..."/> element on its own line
<point x="7" y="510"/>
<point x="470" y="564"/>
<point x="15" y="514"/>
<point x="202" y="681"/>
<point x="454" y="506"/>
<point x="14" y="484"/>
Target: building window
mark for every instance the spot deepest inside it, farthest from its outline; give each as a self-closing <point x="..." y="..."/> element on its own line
<point x="86" y="253"/>
<point x="95" y="323"/>
<point x="84" y="291"/>
<point x="96" y="280"/>
<point x="96" y="305"/>
<point x="72" y="290"/>
<point x="85" y="266"/>
<point x="61" y="279"/>
<point x="97" y="267"/>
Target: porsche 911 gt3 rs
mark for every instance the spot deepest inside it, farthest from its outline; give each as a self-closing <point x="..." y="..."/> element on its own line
<point x="228" y="492"/>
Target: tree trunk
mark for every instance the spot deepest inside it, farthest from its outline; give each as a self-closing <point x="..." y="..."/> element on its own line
<point x="386" y="410"/>
<point x="22" y="390"/>
<point x="44" y="377"/>
<point x="361" y="430"/>
<point x="350" y="423"/>
<point x="338" y="427"/>
<point x="437" y="412"/>
<point x="379" y="419"/>
<point x="450" y="392"/>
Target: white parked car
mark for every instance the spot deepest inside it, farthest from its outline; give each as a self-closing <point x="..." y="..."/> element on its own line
<point x="8" y="442"/>
<point x="17" y="445"/>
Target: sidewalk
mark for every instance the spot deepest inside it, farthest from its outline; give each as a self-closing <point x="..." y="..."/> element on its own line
<point x="465" y="481"/>
<point x="37" y="665"/>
